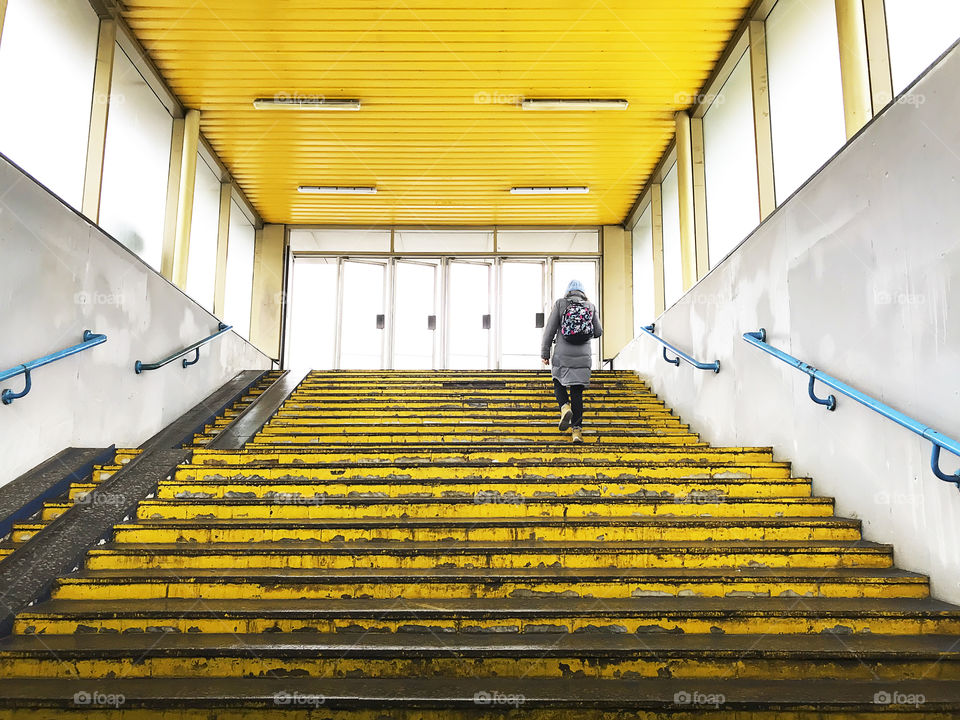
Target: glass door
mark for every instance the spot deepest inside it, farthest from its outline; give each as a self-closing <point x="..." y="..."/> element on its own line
<point x="469" y="320"/>
<point x="312" y="331"/>
<point x="522" y="313"/>
<point x="363" y="315"/>
<point x="415" y="325"/>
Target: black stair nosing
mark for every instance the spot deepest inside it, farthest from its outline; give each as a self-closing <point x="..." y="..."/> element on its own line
<point x="501" y="576"/>
<point x="587" y="696"/>
<point x="425" y="547"/>
<point x="862" y="646"/>
<point x="383" y="609"/>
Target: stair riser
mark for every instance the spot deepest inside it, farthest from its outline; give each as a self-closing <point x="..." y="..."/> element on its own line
<point x="683" y="458"/>
<point x="530" y="667"/>
<point x="478" y="489"/>
<point x="310" y="509"/>
<point x="612" y="533"/>
<point x="104" y="560"/>
<point x="419" y="588"/>
<point x="553" y="435"/>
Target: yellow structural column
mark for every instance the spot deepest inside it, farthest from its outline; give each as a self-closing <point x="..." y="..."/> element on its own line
<point x="3" y="14"/>
<point x="188" y="178"/>
<point x="223" y="240"/>
<point x="266" y="314"/>
<point x="656" y="226"/>
<point x="854" y="70"/>
<point x="99" y="115"/>
<point x="617" y="303"/>
<point x="878" y="54"/>
<point x="699" y="197"/>
<point x="688" y="240"/>
<point x="763" y="134"/>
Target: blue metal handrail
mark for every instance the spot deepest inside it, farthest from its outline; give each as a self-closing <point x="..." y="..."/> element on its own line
<point x="8" y="396"/>
<point x="139" y="366"/>
<point x="939" y="440"/>
<point x="715" y="365"/>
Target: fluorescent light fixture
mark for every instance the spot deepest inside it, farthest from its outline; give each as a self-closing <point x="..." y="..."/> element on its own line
<point x="295" y="102"/>
<point x="573" y="104"/>
<point x="568" y="190"/>
<point x="336" y="190"/>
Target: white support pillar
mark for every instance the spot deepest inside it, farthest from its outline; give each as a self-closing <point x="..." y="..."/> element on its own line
<point x="223" y="248"/>
<point x="99" y="114"/>
<point x="761" y="117"/>
<point x="188" y="178"/>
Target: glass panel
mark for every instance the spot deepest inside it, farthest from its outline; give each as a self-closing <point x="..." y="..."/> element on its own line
<point x="672" y="258"/>
<point x="47" y="61"/>
<point x="136" y="164"/>
<point x="730" y="163"/>
<point x="521" y="300"/>
<point x="468" y="342"/>
<point x="586" y="272"/>
<point x="361" y="341"/>
<point x="643" y="306"/>
<point x="313" y="314"/>
<point x="443" y="241"/>
<point x="340" y="240"/>
<point x="204" y="228"/>
<point x="806" y="96"/>
<point x="416" y="300"/>
<point x="239" y="288"/>
<point x="548" y="241"/>
<point x="919" y="32"/>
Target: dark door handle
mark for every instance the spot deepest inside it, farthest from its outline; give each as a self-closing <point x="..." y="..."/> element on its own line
<point x="381" y="321"/>
<point x="486" y="322"/>
<point x="539" y="320"/>
<point x="431" y="322"/>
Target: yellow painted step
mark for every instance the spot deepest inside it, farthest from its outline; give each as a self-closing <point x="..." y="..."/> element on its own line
<point x="692" y="490"/>
<point x="490" y="555"/>
<point x="401" y="438"/>
<point x="461" y="529"/>
<point x="309" y="508"/>
<point x="292" y="583"/>
<point x="841" y="617"/>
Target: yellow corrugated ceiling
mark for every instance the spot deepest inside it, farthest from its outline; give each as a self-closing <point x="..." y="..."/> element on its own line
<point x="440" y="132"/>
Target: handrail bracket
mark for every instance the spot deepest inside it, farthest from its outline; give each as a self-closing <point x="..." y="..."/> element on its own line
<point x="8" y="396"/>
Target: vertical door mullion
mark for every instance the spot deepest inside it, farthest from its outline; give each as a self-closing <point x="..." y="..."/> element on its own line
<point x="389" y="295"/>
<point x="496" y="299"/>
<point x="445" y="314"/>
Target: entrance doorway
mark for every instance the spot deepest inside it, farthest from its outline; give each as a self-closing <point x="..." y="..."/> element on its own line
<point x="424" y="313"/>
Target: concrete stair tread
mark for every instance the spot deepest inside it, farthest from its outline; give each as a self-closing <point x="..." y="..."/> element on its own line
<point x="488" y="576"/>
<point x="533" y="608"/>
<point x="588" y="696"/>
<point x="484" y="546"/>
<point x="427" y="644"/>
<point x="442" y="500"/>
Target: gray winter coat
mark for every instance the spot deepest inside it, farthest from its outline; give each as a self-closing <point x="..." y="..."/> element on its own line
<point x="571" y="362"/>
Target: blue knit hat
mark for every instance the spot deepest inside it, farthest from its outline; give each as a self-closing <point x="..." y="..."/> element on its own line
<point x="575" y="285"/>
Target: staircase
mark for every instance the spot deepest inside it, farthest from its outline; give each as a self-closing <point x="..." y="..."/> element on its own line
<point x="428" y="545"/>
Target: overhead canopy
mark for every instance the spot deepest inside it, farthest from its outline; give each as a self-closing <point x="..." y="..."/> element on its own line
<point x="440" y="133"/>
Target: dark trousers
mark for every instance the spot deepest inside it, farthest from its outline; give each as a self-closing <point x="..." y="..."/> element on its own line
<point x="574" y="397"/>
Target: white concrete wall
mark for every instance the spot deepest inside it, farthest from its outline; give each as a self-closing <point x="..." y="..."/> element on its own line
<point x="859" y="275"/>
<point x="59" y="276"/>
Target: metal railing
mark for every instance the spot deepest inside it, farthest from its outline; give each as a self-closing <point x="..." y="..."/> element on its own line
<point x="139" y="366"/>
<point x="680" y="355"/>
<point x="939" y="440"/>
<point x="90" y="339"/>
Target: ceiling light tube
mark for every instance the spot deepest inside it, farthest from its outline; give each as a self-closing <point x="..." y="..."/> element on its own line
<point x="574" y="104"/>
<point x="336" y="190"/>
<point x="294" y="102"/>
<point x="564" y="190"/>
